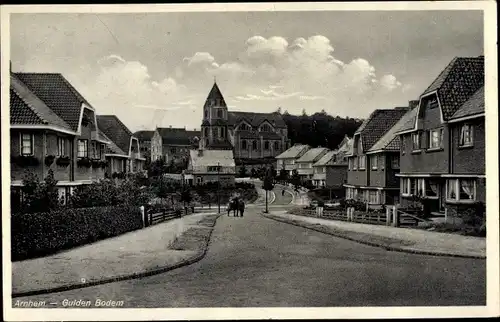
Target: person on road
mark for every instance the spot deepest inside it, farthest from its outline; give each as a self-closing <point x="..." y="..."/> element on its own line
<point x="241" y="207"/>
<point x="234" y="206"/>
<point x="283" y="192"/>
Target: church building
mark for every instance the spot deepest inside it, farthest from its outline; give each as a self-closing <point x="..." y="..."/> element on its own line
<point x="255" y="138"/>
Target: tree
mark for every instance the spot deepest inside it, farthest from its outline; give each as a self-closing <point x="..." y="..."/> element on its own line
<point x="295" y="180"/>
<point x="243" y="171"/>
<point x="268" y="184"/>
<point x="253" y="173"/>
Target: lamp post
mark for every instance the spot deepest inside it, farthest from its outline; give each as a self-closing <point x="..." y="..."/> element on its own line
<point x="218" y="186"/>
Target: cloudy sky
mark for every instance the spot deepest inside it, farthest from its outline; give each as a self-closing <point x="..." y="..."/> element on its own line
<point x="156" y="69"/>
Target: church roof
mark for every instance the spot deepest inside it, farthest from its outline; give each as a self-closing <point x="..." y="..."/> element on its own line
<point x="256" y="119"/>
<point x="215" y="97"/>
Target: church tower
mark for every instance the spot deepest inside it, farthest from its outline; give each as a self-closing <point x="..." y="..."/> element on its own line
<point x="214" y="127"/>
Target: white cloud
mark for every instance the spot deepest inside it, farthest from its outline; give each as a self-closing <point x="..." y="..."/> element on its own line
<point x="389" y="82"/>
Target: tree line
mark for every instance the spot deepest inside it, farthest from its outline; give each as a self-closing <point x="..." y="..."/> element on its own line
<point x="319" y="129"/>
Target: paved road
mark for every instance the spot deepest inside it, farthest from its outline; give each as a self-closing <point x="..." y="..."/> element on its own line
<point x="254" y="261"/>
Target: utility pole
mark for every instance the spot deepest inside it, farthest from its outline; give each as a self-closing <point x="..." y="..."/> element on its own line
<point x="218" y="186"/>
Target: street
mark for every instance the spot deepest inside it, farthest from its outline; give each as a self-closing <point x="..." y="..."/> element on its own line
<point x="254" y="261"/>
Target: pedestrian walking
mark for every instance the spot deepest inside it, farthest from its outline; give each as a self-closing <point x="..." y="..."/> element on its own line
<point x="241" y="207"/>
<point x="283" y="192"/>
<point x="235" y="206"/>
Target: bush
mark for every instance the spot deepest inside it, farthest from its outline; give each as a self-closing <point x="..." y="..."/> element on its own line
<point x="63" y="161"/>
<point x="356" y="204"/>
<point x="84" y="162"/>
<point x="41" y="234"/>
<point x="39" y="196"/>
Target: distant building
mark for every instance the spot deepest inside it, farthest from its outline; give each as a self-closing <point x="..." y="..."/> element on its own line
<point x="306" y="161"/>
<point x="145" y="138"/>
<point x="331" y="170"/>
<point x="255" y="138"/>
<point x="123" y="153"/>
<point x="211" y="166"/>
<point x="286" y="160"/>
<point x="443" y="145"/>
<point x="173" y="144"/>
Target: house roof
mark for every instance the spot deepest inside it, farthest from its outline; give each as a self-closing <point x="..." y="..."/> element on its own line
<point x="256" y="119"/>
<point x="377" y="124"/>
<point x="115" y="130"/>
<point x="408" y="122"/>
<point x="473" y="106"/>
<point x="224" y="158"/>
<point x="27" y="108"/>
<point x="390" y="140"/>
<point x="457" y="82"/>
<point x="57" y="93"/>
<point x="214" y="95"/>
<point x="144" y="135"/>
<point x="248" y="134"/>
<point x="293" y="152"/>
<point x="177" y="136"/>
<point x="312" y="155"/>
<point x="324" y="160"/>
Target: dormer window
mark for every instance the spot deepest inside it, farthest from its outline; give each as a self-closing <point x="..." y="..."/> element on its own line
<point x="432" y="103"/>
<point x="244" y="127"/>
<point x="265" y="128"/>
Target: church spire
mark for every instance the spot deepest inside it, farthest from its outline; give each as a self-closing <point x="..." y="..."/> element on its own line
<point x="215" y="97"/>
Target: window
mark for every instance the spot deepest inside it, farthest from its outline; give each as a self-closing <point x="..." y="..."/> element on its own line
<point x="206" y="131"/>
<point x="83" y="149"/>
<point x="381" y="161"/>
<point x="199" y="180"/>
<point x="349" y="166"/>
<point x="276" y="145"/>
<point x="403" y="144"/>
<point x="27" y="144"/>
<point x="461" y="190"/>
<point x="213" y="168"/>
<point x="206" y="113"/>
<point x="219" y="113"/>
<point x="436" y="139"/>
<point x="373" y="161"/>
<point x="362" y="161"/>
<point x="355" y="162"/>
<point x="223" y="132"/>
<point x="254" y="145"/>
<point x="244" y="127"/>
<point x="101" y="150"/>
<point x="466" y="135"/>
<point x="405" y="186"/>
<point x="431" y="189"/>
<point x="173" y="150"/>
<point x="432" y="102"/>
<point x="244" y="144"/>
<point x="416" y="144"/>
<point x="265" y="128"/>
<point x="420" y="188"/>
<point x="373" y="197"/>
<point x="266" y="145"/>
<point x="395" y="162"/>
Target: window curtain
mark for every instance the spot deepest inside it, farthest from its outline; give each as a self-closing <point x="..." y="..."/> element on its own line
<point x="433" y="187"/>
<point x="468" y="187"/>
<point x="452" y="190"/>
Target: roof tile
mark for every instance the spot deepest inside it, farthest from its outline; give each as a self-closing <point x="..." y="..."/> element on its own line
<point x="115" y="130"/>
<point x="473" y="106"/>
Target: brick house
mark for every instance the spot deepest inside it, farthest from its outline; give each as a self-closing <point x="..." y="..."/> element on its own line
<point x="173" y="144"/>
<point x="305" y="163"/>
<point x="145" y="138"/>
<point x="211" y="166"/>
<point x="373" y="186"/>
<point x="123" y="153"/>
<point x="286" y="160"/>
<point x="331" y="170"/>
<point x="443" y="150"/>
<point x="255" y="138"/>
<point x="52" y="127"/>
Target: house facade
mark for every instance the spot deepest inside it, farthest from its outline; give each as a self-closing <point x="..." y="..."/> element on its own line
<point x="305" y="163"/>
<point x="370" y="177"/>
<point x="211" y="166"/>
<point x="286" y="160"/>
<point x="173" y="144"/>
<point x="331" y="170"/>
<point x="255" y="138"/>
<point x="145" y="138"/>
<point x="52" y="127"/>
<point x="443" y="150"/>
<point x="123" y="153"/>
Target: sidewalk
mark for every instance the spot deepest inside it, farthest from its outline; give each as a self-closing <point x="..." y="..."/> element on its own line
<point x="134" y="254"/>
<point x="392" y="238"/>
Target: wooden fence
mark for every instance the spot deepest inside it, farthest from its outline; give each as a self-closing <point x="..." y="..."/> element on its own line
<point x="153" y="217"/>
<point x="392" y="216"/>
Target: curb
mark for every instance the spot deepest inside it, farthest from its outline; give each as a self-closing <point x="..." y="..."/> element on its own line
<point x="157" y="271"/>
<point x="388" y="248"/>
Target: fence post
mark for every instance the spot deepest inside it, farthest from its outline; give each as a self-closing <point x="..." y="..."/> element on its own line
<point x="395" y="222"/>
<point x="388" y="216"/>
<point x="144" y="224"/>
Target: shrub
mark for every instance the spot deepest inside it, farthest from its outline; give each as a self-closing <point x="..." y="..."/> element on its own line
<point x="39" y="196"/>
<point x="356" y="204"/>
<point x="41" y="234"/>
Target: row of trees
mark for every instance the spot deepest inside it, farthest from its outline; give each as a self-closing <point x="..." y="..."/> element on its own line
<point x="319" y="129"/>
